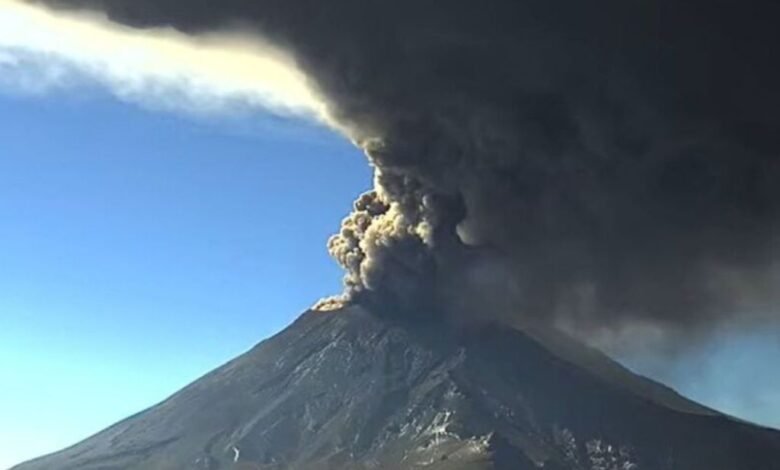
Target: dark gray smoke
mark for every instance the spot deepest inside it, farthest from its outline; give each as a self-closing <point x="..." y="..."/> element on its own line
<point x="597" y="165"/>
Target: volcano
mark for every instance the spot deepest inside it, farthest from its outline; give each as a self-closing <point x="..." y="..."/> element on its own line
<point x="354" y="390"/>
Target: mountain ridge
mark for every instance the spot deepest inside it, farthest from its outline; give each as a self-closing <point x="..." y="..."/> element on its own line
<point x="353" y="390"/>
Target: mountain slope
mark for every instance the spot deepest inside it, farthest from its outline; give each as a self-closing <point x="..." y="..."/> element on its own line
<point x="599" y="364"/>
<point x="349" y="390"/>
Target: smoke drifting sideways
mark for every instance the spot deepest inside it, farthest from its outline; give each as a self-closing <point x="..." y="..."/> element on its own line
<point x="605" y="167"/>
<point x="213" y="74"/>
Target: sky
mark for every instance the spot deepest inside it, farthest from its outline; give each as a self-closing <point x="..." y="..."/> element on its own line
<point x="151" y="233"/>
<point x="142" y="249"/>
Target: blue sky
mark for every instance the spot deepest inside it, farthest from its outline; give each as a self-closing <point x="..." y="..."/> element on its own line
<point x="140" y="249"/>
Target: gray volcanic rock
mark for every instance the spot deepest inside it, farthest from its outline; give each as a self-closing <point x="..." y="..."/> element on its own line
<point x="351" y="390"/>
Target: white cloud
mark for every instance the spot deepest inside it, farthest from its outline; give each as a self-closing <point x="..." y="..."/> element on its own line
<point x="161" y="68"/>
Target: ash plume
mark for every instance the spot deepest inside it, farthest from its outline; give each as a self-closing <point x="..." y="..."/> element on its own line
<point x="593" y="165"/>
<point x="161" y="69"/>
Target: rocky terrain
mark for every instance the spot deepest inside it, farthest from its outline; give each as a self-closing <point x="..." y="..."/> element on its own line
<point x="353" y="390"/>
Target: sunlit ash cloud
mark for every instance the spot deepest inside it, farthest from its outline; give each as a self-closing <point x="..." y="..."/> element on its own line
<point x="606" y="168"/>
<point x="161" y="68"/>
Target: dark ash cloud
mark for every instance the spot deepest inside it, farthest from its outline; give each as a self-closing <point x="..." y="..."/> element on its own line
<point x="596" y="165"/>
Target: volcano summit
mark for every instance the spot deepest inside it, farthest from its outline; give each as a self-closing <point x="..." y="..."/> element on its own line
<point x="352" y="390"/>
<point x="588" y="167"/>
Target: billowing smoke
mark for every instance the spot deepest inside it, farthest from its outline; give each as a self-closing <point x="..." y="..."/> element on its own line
<point x="601" y="165"/>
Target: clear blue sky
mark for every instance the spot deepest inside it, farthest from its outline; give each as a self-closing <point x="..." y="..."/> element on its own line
<point x="140" y="249"/>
